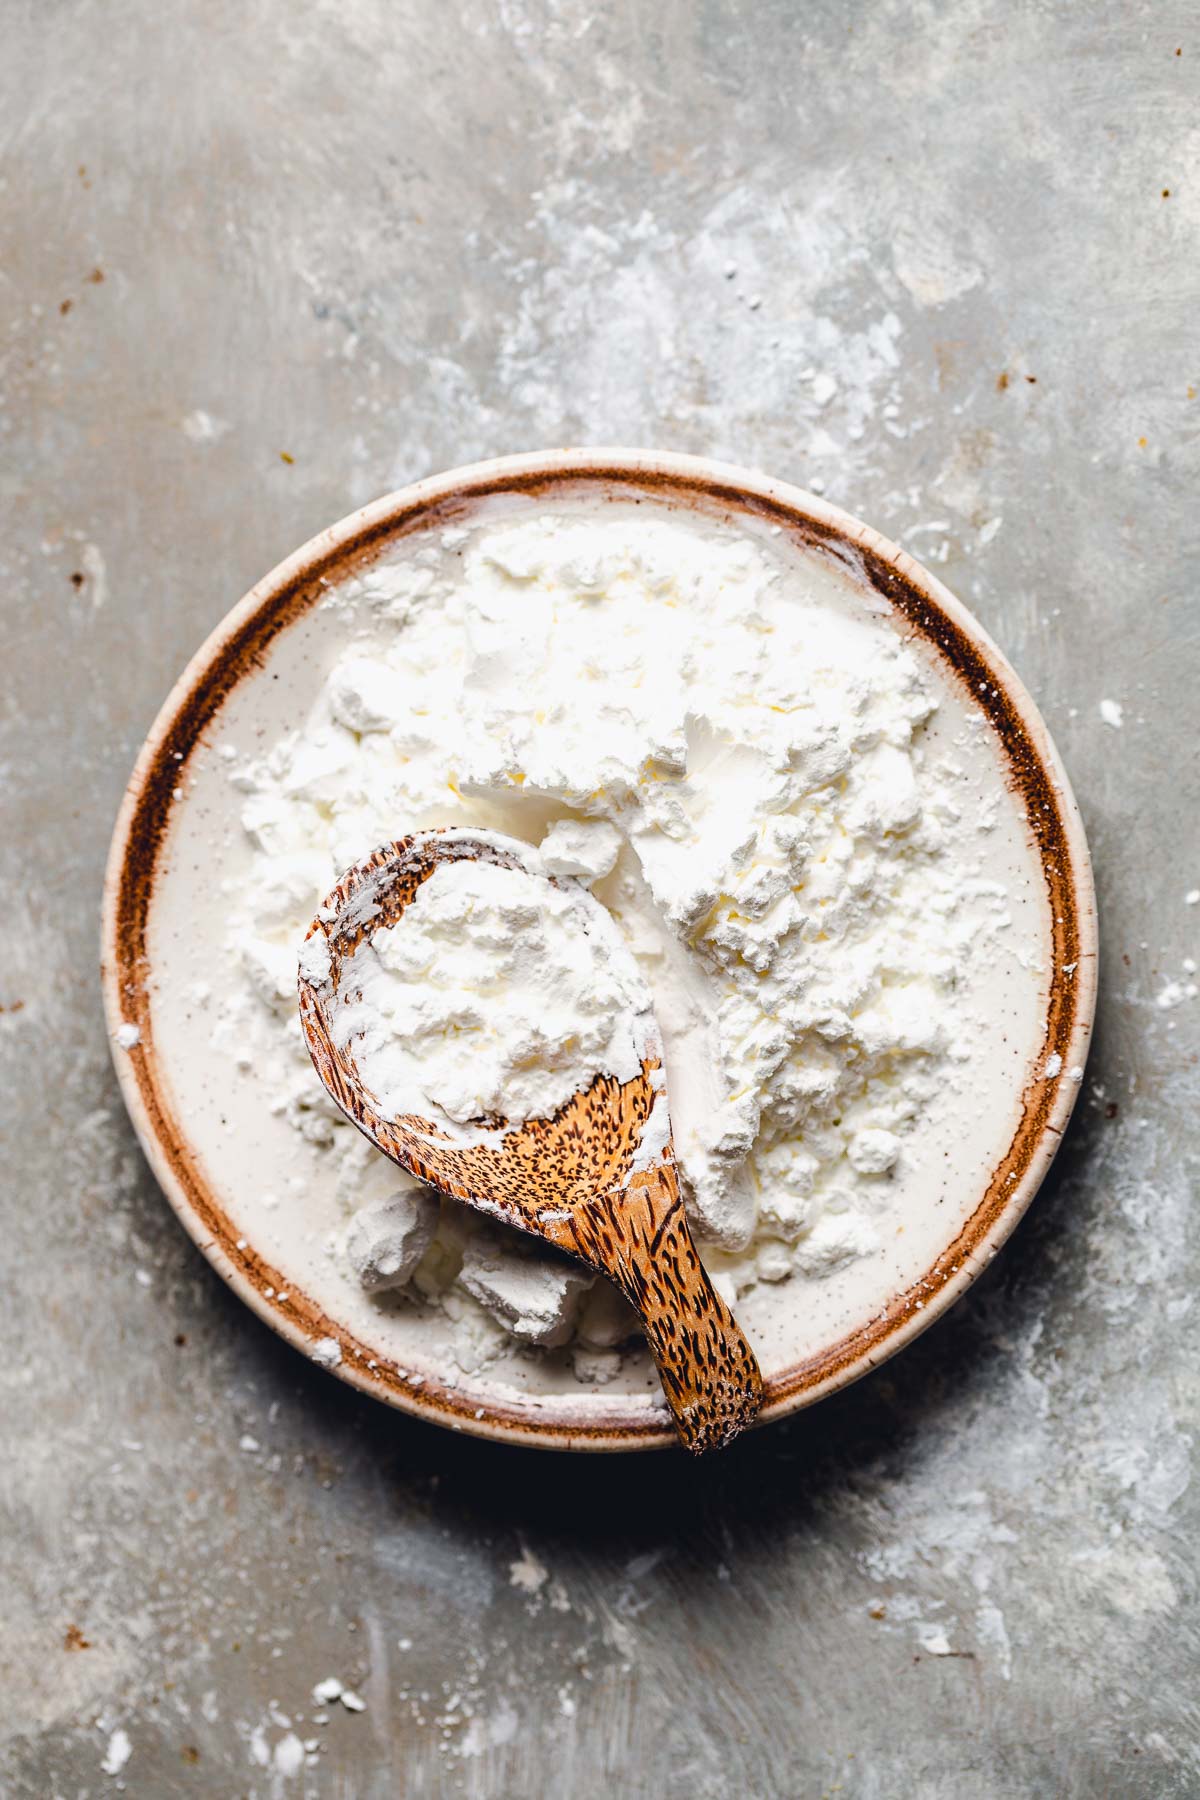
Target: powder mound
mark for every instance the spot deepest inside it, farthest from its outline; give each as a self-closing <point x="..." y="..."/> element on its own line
<point x="734" y="757"/>
<point x="496" y="993"/>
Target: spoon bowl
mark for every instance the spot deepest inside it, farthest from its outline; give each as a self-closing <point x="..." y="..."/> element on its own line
<point x="597" y="1179"/>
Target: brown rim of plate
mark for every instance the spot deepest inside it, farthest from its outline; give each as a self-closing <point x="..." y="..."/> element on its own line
<point x="240" y="644"/>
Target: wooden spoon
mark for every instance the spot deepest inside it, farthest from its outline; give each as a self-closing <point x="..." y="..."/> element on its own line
<point x="570" y="1179"/>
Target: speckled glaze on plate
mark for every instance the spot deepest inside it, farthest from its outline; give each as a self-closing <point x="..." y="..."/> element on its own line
<point x="236" y="654"/>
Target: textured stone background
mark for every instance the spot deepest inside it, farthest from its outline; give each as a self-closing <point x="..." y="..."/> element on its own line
<point x="261" y="262"/>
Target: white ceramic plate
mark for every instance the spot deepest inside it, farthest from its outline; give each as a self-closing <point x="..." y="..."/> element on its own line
<point x="252" y="1193"/>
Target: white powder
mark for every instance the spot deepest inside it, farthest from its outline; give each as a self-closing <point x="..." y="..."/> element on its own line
<point x="586" y="848"/>
<point x="528" y="1573"/>
<point x="536" y="1298"/>
<point x="1113" y="713"/>
<point x="289" y="1755"/>
<point x="498" y="992"/>
<point x="388" y="1237"/>
<point x="331" y="1689"/>
<point x="737" y="769"/>
<point x="118" y="1753"/>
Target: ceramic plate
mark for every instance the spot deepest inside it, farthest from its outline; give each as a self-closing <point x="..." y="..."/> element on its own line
<point x="251" y="1191"/>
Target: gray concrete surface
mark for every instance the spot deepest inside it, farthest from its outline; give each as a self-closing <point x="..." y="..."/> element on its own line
<point x="262" y="262"/>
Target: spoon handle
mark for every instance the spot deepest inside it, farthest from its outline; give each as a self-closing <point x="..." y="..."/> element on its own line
<point x="640" y="1238"/>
